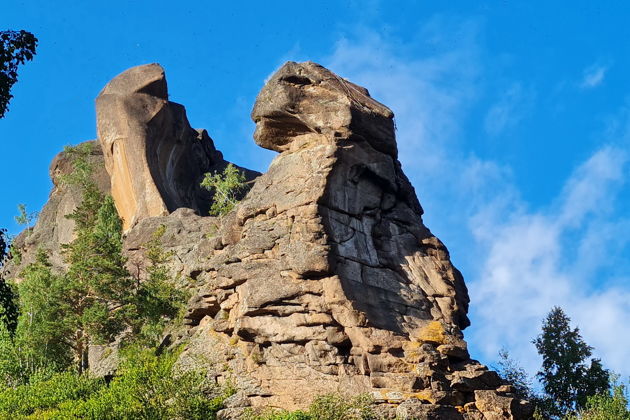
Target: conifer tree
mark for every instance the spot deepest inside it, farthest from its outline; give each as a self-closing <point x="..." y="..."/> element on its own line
<point x="8" y="299"/>
<point x="567" y="376"/>
<point x="99" y="289"/>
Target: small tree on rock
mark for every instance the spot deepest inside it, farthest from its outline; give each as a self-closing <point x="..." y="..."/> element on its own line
<point x="226" y="187"/>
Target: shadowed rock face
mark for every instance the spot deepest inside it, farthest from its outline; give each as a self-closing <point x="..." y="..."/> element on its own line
<point x="156" y="161"/>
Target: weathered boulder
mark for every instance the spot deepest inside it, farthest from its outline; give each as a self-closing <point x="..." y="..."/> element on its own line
<point x="156" y="161"/>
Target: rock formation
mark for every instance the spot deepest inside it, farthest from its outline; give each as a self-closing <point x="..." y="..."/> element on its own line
<point x="155" y="159"/>
<point x="53" y="228"/>
<point x="324" y="277"/>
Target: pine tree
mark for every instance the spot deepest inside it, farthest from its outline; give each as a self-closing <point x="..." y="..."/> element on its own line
<point x="43" y="329"/>
<point x="99" y="289"/>
<point x="157" y="299"/>
<point x="568" y="377"/>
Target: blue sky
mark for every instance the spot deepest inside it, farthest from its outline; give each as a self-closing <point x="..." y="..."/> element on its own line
<point x="513" y="124"/>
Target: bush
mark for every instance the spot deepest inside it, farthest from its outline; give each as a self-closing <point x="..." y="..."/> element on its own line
<point x="226" y="186"/>
<point x="148" y="387"/>
<point x="606" y="406"/>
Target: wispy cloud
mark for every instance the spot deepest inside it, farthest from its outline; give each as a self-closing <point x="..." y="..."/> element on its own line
<point x="520" y="260"/>
<point x="539" y="259"/>
<point x="510" y="108"/>
<point x="593" y="76"/>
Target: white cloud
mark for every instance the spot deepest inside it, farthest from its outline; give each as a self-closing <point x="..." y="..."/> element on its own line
<point x="520" y="261"/>
<point x="509" y="109"/>
<point x="593" y="76"/>
<point x="537" y="260"/>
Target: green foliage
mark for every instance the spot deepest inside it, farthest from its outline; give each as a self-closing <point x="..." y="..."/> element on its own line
<point x="147" y="387"/>
<point x="40" y="395"/>
<point x="8" y="304"/>
<point x="16" y="48"/>
<point x="9" y="310"/>
<point x="226" y="187"/>
<point x="608" y="406"/>
<point x="24" y="217"/>
<point x="97" y="287"/>
<point x="4" y="245"/>
<point x="96" y="299"/>
<point x="157" y="298"/>
<point x="82" y="168"/>
<point x="43" y="329"/>
<point x="325" y="407"/>
<point x="566" y="377"/>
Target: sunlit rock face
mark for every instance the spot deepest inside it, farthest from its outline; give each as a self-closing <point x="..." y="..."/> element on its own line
<point x="156" y="161"/>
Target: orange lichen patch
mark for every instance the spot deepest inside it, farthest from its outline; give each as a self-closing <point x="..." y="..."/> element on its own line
<point x="433" y="332"/>
<point x="412" y="350"/>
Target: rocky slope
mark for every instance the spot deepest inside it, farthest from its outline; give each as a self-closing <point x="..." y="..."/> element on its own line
<point x="324" y="277"/>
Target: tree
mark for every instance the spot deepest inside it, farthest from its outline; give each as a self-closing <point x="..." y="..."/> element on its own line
<point x="157" y="299"/>
<point x="98" y="287"/>
<point x="101" y="298"/>
<point x="567" y="376"/>
<point x="511" y="372"/>
<point x="607" y="406"/>
<point x="226" y="186"/>
<point x="24" y="218"/>
<point x="8" y="299"/>
<point x="43" y="331"/>
<point x="16" y="48"/>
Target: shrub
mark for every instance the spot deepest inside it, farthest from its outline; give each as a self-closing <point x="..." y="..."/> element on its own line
<point x="606" y="406"/>
<point x="147" y="387"/>
<point x="226" y="186"/>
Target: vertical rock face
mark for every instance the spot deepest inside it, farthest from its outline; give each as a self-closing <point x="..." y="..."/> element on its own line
<point x="325" y="279"/>
<point x="156" y="161"/>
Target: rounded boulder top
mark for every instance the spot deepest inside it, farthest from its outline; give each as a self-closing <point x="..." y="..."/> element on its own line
<point x="147" y="78"/>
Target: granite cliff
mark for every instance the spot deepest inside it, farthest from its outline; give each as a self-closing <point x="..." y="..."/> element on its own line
<point x="324" y="277"/>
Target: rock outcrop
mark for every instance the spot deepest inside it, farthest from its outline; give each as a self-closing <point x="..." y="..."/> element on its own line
<point x="156" y="161"/>
<point x="324" y="277"/>
<point x="53" y="228"/>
